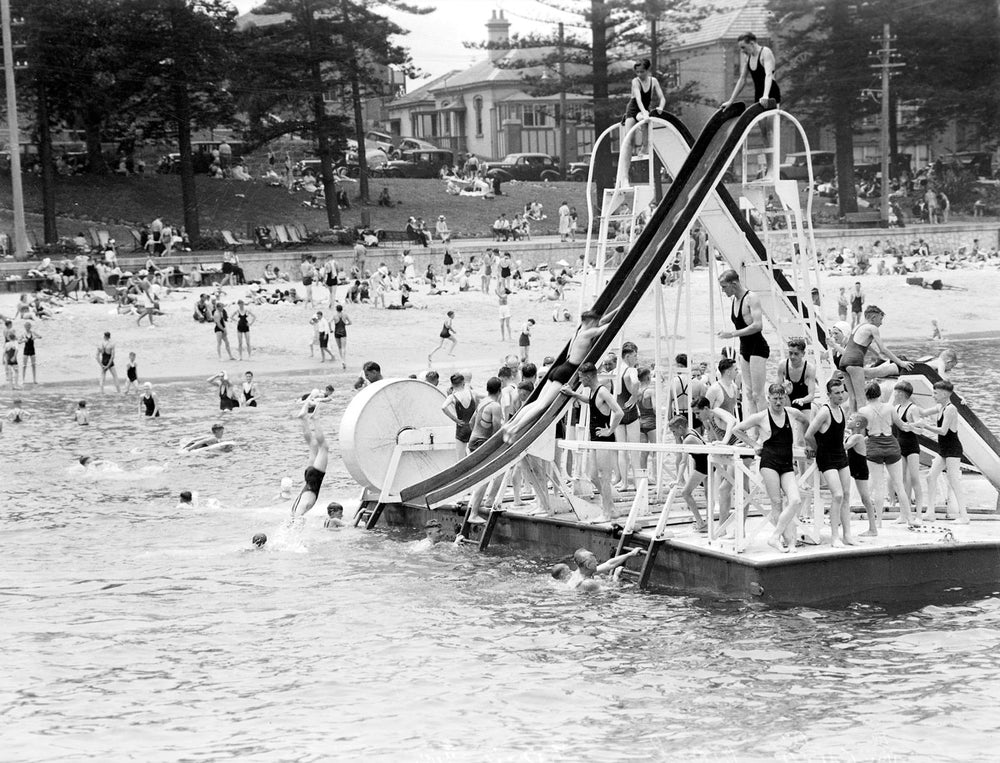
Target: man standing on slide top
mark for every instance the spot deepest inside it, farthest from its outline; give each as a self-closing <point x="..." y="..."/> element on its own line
<point x="759" y="62"/>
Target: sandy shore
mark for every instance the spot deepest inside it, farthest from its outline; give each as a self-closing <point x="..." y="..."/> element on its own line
<point x="400" y="340"/>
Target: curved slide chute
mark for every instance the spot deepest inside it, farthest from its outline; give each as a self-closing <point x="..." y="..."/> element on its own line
<point x="980" y="446"/>
<point x="700" y="175"/>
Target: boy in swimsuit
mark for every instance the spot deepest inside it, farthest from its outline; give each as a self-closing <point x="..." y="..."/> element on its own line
<point x="883" y="447"/>
<point x="801" y="390"/>
<point x="852" y="362"/>
<point x="774" y="429"/>
<point x="909" y="445"/>
<point x="605" y="416"/>
<point x="319" y="453"/>
<point x="106" y="360"/>
<point x="203" y="442"/>
<point x="587" y="567"/>
<point x="857" y="464"/>
<point x="698" y="470"/>
<point x="591" y="326"/>
<point x="949" y="455"/>
<point x="825" y="442"/>
<point x="748" y="326"/>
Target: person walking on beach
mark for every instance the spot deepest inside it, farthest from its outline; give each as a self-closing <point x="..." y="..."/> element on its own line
<point x="524" y="340"/>
<point x="340" y="324"/>
<point x="220" y="317"/>
<point x="244" y="320"/>
<point x="28" y="353"/>
<point x="503" y="295"/>
<point x="149" y="405"/>
<point x="106" y="360"/>
<point x="777" y="469"/>
<point x="447" y="335"/>
<point x="748" y="326"/>
<point x="857" y="304"/>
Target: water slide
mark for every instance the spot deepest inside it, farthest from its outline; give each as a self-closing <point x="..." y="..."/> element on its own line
<point x="980" y="446"/>
<point x="699" y="176"/>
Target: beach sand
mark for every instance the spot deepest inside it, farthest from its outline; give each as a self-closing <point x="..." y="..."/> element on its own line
<point x="401" y="339"/>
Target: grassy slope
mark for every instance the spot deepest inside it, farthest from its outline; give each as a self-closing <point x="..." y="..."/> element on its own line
<point x="115" y="203"/>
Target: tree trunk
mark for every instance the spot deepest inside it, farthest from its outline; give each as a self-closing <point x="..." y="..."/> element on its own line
<point x="604" y="173"/>
<point x="92" y="135"/>
<point x="51" y="233"/>
<point x="359" y="131"/>
<point x="189" y="191"/>
<point x="842" y="99"/>
<point x="322" y="132"/>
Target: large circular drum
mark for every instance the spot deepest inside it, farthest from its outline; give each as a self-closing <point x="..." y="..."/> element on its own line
<point x="396" y="413"/>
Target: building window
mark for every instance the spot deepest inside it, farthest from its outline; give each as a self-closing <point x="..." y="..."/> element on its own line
<point x="477" y="110"/>
<point x="536" y="116"/>
<point x="671" y="77"/>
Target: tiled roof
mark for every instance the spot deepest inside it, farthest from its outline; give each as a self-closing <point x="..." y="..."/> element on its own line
<point x="732" y="19"/>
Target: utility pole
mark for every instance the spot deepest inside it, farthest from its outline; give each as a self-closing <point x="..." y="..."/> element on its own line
<point x="885" y="54"/>
<point x="563" y="159"/>
<point x="20" y="232"/>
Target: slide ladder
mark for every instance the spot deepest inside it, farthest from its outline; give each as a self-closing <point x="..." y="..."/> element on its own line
<point x="669" y="223"/>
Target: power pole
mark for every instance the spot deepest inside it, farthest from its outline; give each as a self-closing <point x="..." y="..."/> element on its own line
<point x="563" y="159"/>
<point x="885" y="55"/>
<point x="20" y="231"/>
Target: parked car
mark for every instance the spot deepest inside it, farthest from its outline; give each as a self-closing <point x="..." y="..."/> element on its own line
<point x="524" y="167"/>
<point x="412" y="144"/>
<point x="425" y="163"/>
<point x="578" y="171"/>
<point x="795" y="166"/>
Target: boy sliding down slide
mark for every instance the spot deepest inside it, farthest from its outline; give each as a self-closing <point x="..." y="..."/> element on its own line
<point x="592" y="325"/>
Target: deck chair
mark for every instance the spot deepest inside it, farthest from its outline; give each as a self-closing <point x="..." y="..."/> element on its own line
<point x="281" y="235"/>
<point x="232" y="241"/>
<point x="136" y="240"/>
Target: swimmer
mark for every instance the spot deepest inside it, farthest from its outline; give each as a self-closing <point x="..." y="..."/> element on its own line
<point x="81" y="416"/>
<point x="825" y="441"/>
<point x="883" y="448"/>
<point x="777" y="469"/>
<point x="949" y="455"/>
<point x="801" y="391"/>
<point x="433" y="534"/>
<point x="17" y="414"/>
<point x="131" y="373"/>
<point x="748" y="326"/>
<point x="592" y="326"/>
<point x="857" y="464"/>
<point x="204" y="442"/>
<point x="587" y="567"/>
<point x="852" y="362"/>
<point x="319" y="452"/>
<point x="106" y="360"/>
<point x="334" y="516"/>
<point x="149" y="405"/>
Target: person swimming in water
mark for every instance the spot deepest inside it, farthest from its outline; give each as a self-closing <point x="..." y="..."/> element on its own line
<point x="203" y="442"/>
<point x="592" y="325"/>
<point x="319" y="453"/>
<point x="587" y="567"/>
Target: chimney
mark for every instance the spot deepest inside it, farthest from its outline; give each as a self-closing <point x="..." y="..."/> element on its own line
<point x="498" y="32"/>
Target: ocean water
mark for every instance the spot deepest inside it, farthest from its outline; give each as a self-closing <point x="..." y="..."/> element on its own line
<point x="135" y="630"/>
